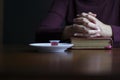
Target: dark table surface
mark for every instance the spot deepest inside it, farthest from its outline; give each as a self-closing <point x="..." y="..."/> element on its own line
<point x="25" y="62"/>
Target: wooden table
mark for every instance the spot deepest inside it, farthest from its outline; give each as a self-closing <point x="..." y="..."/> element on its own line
<point x="22" y="61"/>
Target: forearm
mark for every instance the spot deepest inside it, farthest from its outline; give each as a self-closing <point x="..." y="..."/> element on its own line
<point x="45" y="37"/>
<point x="50" y="27"/>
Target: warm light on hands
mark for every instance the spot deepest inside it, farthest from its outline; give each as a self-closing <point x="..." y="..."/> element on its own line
<point x="87" y="25"/>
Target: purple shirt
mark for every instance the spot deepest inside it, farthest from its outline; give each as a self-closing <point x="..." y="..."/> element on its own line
<point x="108" y="11"/>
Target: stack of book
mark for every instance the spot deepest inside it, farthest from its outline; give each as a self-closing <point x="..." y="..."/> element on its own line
<point x="91" y="43"/>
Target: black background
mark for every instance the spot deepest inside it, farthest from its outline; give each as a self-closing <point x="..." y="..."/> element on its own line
<point x="21" y="17"/>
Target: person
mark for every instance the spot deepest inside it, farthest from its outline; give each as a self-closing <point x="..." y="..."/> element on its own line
<point x="84" y="18"/>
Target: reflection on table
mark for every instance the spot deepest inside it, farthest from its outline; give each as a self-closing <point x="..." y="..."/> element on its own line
<point x="97" y="62"/>
<point x="24" y="60"/>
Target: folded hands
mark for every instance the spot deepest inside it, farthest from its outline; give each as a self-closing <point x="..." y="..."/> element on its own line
<point x="87" y="25"/>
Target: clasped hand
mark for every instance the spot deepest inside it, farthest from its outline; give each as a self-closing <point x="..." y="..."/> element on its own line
<point x="87" y="25"/>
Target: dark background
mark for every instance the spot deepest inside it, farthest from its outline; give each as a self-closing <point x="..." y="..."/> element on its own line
<point x="21" y="18"/>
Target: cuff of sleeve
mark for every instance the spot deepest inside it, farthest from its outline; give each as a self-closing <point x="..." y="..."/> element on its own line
<point x="116" y="35"/>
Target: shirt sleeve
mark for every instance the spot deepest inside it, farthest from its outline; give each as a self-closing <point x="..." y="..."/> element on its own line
<point x="116" y="36"/>
<point x="50" y="27"/>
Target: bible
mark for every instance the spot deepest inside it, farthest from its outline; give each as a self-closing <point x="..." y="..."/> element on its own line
<point x="91" y="43"/>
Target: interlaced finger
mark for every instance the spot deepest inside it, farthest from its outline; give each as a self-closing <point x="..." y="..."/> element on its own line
<point x="79" y="28"/>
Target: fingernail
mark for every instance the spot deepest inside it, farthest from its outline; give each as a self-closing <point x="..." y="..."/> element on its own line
<point x="74" y="24"/>
<point x="78" y="15"/>
<point x="98" y="34"/>
<point x="75" y="34"/>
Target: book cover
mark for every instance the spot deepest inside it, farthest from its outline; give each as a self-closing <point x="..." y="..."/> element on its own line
<point x="91" y="43"/>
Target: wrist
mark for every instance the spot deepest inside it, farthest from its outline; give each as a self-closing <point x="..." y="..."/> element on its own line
<point x="67" y="32"/>
<point x="107" y="31"/>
